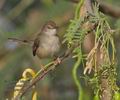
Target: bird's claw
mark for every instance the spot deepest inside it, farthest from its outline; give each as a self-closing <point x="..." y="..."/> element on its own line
<point x="57" y="61"/>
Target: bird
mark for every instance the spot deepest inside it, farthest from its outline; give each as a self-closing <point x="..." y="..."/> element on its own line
<point x="47" y="42"/>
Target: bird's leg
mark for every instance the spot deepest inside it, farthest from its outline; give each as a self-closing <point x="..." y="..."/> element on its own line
<point x="57" y="60"/>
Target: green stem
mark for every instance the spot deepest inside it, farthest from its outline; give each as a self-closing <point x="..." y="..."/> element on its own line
<point x="77" y="11"/>
<point x="46" y="67"/>
<point x="74" y="73"/>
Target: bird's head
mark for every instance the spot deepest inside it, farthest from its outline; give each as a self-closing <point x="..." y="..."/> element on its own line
<point x="50" y="28"/>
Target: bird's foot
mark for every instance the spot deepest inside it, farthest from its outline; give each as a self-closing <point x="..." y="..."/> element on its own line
<point x="57" y="61"/>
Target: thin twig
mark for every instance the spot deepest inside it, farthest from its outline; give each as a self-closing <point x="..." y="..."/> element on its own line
<point x="43" y="72"/>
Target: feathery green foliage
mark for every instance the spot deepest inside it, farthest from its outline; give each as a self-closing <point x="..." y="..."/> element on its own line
<point x="106" y="68"/>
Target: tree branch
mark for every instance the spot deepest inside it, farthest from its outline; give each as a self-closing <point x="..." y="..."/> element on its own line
<point x="42" y="73"/>
<point x="109" y="9"/>
<point x="106" y="8"/>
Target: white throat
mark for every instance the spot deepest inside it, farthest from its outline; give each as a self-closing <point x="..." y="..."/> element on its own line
<point x="50" y="32"/>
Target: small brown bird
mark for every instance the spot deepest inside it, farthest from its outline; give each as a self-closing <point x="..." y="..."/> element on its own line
<point x="47" y="43"/>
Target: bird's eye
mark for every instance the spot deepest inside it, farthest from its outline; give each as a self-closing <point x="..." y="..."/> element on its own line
<point x="49" y="27"/>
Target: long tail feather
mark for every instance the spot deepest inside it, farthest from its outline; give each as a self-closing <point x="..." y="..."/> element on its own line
<point x="20" y="40"/>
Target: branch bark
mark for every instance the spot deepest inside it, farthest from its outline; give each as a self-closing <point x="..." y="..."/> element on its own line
<point x="107" y="9"/>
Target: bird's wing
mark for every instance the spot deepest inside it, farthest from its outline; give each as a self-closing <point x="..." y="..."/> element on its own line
<point x="35" y="46"/>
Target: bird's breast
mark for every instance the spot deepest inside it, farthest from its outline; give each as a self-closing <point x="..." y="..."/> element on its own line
<point x="49" y="46"/>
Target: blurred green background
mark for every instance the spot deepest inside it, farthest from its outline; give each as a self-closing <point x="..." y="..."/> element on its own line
<point x="22" y="19"/>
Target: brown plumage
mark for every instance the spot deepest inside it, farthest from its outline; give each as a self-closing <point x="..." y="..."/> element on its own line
<point x="47" y="43"/>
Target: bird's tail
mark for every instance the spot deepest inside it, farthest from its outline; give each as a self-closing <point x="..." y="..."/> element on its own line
<point x="22" y="41"/>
